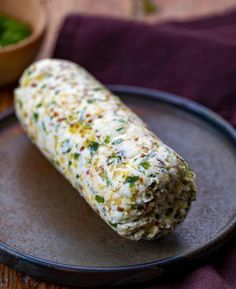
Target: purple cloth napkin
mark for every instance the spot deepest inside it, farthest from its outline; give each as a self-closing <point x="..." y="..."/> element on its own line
<point x="195" y="59"/>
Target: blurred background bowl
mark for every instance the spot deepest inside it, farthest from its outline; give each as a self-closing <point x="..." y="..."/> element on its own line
<point x="16" y="57"/>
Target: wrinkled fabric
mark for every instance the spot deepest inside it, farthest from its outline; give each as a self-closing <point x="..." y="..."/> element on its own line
<point x="195" y="59"/>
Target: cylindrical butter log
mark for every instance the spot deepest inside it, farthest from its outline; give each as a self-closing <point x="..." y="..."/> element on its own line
<point x="139" y="186"/>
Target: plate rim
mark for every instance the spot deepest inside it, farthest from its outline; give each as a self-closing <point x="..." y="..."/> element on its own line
<point x="190" y="106"/>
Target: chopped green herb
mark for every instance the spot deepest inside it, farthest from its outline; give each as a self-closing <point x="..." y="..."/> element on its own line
<point x="108" y="182"/>
<point x="99" y="199"/>
<point x="114" y="158"/>
<point x="43" y="86"/>
<point x="76" y="156"/>
<point x="131" y="180"/>
<point x="93" y="146"/>
<point x="39" y="105"/>
<point x="29" y="72"/>
<point x="120" y="129"/>
<point x="36" y="116"/>
<point x="12" y="30"/>
<point x="117" y="141"/>
<point x="90" y="100"/>
<point x="97" y="89"/>
<point x="145" y="165"/>
<point x="107" y="139"/>
<point x="69" y="163"/>
<point x="152" y="176"/>
<point x="77" y="176"/>
<point x="113" y="224"/>
<point x="122" y="121"/>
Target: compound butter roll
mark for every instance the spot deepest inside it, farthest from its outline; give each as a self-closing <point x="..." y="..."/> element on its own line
<point x="139" y="186"/>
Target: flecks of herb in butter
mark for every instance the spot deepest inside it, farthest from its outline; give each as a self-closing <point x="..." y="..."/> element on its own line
<point x="99" y="199"/>
<point x="131" y="180"/>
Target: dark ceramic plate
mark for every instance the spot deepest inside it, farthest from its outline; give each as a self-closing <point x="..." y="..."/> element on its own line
<point x="47" y="230"/>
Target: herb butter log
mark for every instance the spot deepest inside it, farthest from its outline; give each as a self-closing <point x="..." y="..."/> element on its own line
<point x="139" y="186"/>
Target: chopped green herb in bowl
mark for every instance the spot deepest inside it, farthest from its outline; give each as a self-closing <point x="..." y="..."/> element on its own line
<point x="12" y="31"/>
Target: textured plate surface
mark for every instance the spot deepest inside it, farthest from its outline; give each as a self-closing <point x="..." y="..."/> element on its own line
<point x="43" y="216"/>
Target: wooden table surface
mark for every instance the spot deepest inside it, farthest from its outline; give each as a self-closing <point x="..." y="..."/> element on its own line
<point x="138" y="10"/>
